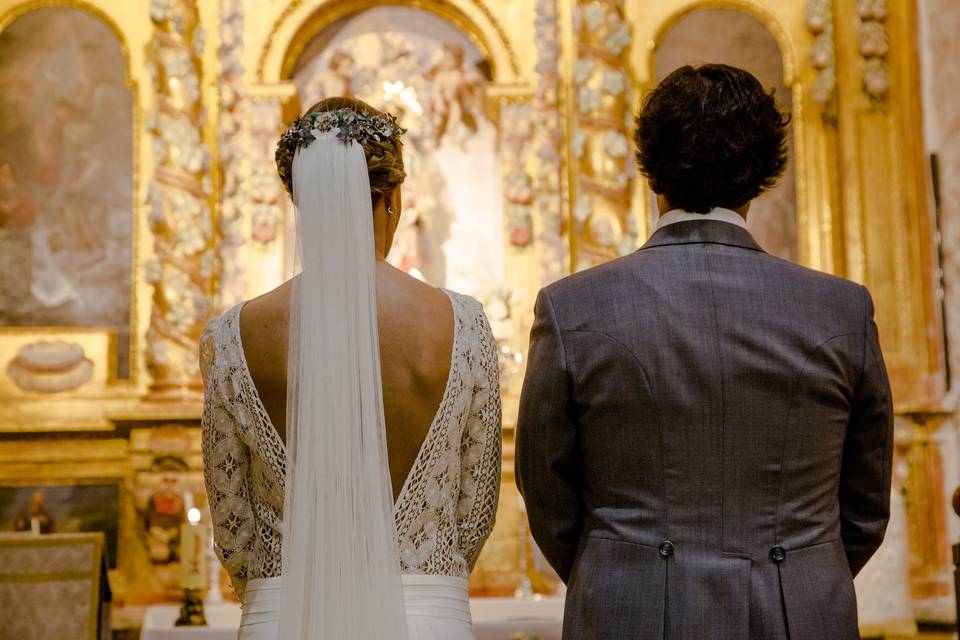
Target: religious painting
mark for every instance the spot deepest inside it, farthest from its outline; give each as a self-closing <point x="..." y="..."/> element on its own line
<point x="736" y="38"/>
<point x="63" y="509"/>
<point x="429" y="74"/>
<point x="66" y="181"/>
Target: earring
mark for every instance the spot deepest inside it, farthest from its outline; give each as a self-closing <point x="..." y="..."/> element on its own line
<point x="390" y="211"/>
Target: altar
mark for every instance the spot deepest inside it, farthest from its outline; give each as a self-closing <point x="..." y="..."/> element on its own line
<point x="493" y="619"/>
<point x="139" y="198"/>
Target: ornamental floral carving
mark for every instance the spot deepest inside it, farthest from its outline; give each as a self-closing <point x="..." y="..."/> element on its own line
<point x="819" y="21"/>
<point x="267" y="196"/>
<point x="234" y="156"/>
<point x="181" y="269"/>
<point x="600" y="144"/>
<point x="874" y="47"/>
<point x="517" y="131"/>
<point x="547" y="204"/>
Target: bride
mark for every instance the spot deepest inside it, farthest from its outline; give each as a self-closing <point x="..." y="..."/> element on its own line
<point x="351" y="422"/>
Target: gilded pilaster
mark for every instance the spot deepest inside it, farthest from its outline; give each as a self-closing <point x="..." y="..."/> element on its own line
<point x="600" y="144"/>
<point x="883" y="193"/>
<point x="182" y="267"/>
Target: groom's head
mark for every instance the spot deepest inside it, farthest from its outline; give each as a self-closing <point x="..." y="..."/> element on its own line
<point x="710" y="136"/>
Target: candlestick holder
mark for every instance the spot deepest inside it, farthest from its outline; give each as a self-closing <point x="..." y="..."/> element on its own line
<point x="214" y="593"/>
<point x="524" y="588"/>
<point x="191" y="611"/>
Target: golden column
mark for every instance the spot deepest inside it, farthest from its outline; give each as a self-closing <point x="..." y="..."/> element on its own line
<point x="182" y="266"/>
<point x="601" y="161"/>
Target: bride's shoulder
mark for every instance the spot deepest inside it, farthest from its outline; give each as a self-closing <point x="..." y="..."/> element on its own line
<point x="473" y="311"/>
<point x="215" y="339"/>
<point x="464" y="303"/>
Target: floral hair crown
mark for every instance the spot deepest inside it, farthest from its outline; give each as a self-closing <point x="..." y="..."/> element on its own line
<point x="351" y="126"/>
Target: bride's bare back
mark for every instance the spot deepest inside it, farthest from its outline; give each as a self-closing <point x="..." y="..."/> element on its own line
<point x="416" y="341"/>
<point x="333" y="534"/>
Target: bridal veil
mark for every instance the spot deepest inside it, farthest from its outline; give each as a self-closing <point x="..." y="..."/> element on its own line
<point x="341" y="572"/>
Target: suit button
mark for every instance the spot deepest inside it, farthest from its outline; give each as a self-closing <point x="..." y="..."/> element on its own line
<point x="666" y="549"/>
<point x="777" y="554"/>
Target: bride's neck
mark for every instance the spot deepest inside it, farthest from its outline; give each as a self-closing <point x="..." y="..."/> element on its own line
<point x="381" y="235"/>
<point x="379" y="246"/>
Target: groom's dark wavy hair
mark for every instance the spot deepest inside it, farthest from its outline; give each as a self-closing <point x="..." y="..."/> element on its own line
<point x="710" y="136"/>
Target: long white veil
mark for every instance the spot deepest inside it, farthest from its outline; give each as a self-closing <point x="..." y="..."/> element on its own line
<point x="341" y="569"/>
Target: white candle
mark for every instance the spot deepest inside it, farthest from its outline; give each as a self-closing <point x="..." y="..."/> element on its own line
<point x="214" y="593"/>
<point x="193" y="556"/>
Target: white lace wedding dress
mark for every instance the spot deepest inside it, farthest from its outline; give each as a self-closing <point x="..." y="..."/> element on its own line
<point x="443" y="514"/>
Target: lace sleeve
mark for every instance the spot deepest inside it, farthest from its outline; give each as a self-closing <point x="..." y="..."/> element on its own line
<point x="481" y="449"/>
<point x="226" y="461"/>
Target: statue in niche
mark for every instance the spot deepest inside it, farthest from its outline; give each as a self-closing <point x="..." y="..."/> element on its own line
<point x="165" y="512"/>
<point x="425" y="71"/>
<point x="456" y="96"/>
<point x="339" y="81"/>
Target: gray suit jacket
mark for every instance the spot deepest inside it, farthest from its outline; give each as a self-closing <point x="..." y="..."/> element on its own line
<point x="704" y="442"/>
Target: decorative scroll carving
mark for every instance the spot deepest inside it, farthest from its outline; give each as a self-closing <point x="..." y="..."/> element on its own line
<point x="182" y="267"/>
<point x="600" y="145"/>
<point x="266" y="191"/>
<point x="819" y="22"/>
<point x="874" y="47"/>
<point x="234" y="156"/>
<point x="547" y="139"/>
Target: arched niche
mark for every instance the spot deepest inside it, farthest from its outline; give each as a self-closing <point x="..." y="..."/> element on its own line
<point x="279" y="37"/>
<point x="735" y="37"/>
<point x="67" y="147"/>
<point x="298" y="22"/>
<point x="423" y="68"/>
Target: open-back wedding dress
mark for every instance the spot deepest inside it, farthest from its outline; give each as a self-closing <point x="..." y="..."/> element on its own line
<point x="307" y="529"/>
<point x="443" y="514"/>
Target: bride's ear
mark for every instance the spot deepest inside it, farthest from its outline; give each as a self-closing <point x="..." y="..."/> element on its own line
<point x="390" y="203"/>
<point x="394" y="204"/>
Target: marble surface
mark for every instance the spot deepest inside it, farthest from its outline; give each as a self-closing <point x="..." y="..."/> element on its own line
<point x="940" y="61"/>
<point x="940" y="22"/>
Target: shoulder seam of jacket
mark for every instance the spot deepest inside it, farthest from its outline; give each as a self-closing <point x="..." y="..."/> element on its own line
<point x="790" y="403"/>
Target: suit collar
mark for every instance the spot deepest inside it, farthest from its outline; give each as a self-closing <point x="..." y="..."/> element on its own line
<point x="702" y="232"/>
<point x="717" y="213"/>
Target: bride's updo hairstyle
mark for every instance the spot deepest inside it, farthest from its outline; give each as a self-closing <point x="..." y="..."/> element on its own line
<point x="384" y="157"/>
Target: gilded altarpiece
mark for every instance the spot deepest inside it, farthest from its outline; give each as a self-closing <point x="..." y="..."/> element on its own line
<point x="532" y="100"/>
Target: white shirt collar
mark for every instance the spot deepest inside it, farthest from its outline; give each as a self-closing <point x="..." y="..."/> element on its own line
<point x="718" y="214"/>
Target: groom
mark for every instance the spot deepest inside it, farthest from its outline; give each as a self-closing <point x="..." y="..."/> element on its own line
<point x="705" y="432"/>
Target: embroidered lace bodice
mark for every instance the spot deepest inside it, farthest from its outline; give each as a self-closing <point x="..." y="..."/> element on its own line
<point x="447" y="506"/>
